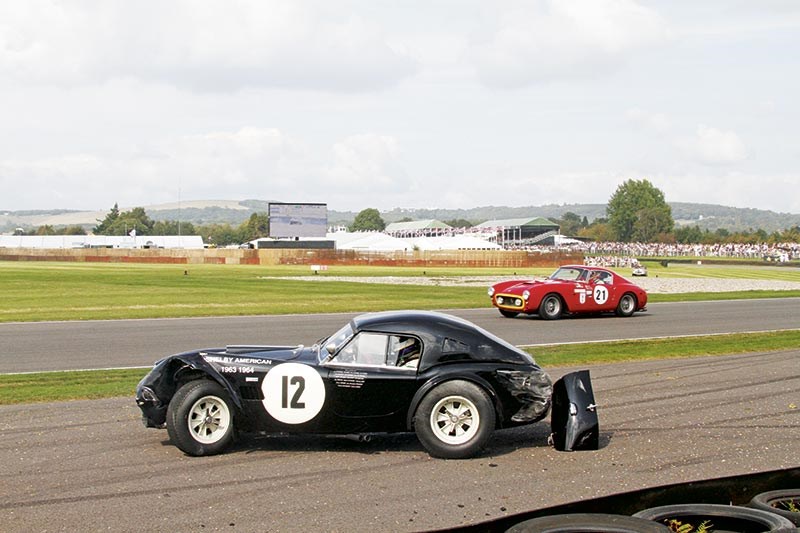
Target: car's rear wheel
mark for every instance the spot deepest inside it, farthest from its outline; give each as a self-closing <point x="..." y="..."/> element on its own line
<point x="200" y="418"/>
<point x="455" y="420"/>
<point x="626" y="305"/>
<point x="551" y="307"/>
<point x="508" y="314"/>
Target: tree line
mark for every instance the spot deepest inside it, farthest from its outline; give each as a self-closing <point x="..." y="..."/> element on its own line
<point x="636" y="212"/>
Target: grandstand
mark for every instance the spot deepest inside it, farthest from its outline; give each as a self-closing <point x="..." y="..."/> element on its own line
<point x="514" y="232"/>
<point x="418" y="228"/>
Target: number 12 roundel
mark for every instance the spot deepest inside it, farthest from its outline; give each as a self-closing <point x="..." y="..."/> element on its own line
<point x="293" y="393"/>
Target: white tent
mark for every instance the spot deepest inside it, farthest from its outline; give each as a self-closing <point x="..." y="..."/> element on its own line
<point x="455" y="242"/>
<point x="369" y="242"/>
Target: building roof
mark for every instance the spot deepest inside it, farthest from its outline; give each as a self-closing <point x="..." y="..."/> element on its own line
<point x="518" y="222"/>
<point x="416" y="225"/>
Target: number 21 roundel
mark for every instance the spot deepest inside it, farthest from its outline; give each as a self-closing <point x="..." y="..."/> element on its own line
<point x="293" y="393"/>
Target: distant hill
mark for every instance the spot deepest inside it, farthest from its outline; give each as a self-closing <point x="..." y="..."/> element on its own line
<point x="706" y="216"/>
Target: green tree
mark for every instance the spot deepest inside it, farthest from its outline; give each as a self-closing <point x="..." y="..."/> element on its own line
<point x="74" y="230"/>
<point x="459" y="223"/>
<point x="102" y="227"/>
<point x="220" y="234"/>
<point x="255" y="227"/>
<point x="173" y="227"/>
<point x="636" y="204"/>
<point x="597" y="231"/>
<point x="571" y="224"/>
<point x="46" y="230"/>
<point x="368" y="220"/>
<point x="689" y="235"/>
<point x="652" y="223"/>
<point x="127" y="221"/>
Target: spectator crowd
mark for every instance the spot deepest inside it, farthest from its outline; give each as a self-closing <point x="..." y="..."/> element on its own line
<point x="628" y="251"/>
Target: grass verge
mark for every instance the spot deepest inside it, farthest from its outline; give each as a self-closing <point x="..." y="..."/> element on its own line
<point x="83" y="291"/>
<point x="639" y="350"/>
<point x="95" y="384"/>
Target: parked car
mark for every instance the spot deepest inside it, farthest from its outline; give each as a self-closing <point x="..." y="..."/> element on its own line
<point x="440" y="376"/>
<point x="571" y="289"/>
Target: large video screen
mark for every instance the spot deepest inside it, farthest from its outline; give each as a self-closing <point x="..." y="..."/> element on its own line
<point x="298" y="220"/>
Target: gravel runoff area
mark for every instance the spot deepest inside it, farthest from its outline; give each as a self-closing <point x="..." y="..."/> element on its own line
<point x="650" y="284"/>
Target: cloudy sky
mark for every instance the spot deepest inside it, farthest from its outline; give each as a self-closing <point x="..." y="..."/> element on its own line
<point x="419" y="103"/>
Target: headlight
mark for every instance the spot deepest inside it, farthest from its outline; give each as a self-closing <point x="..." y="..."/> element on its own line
<point x="491" y="291"/>
<point x="500" y="300"/>
<point x="146" y="394"/>
<point x="526" y="295"/>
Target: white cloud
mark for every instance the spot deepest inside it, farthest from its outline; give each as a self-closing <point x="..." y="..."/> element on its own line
<point x="564" y="39"/>
<point x="208" y="45"/>
<point x="368" y="162"/>
<point x="729" y="188"/>
<point x="658" y="123"/>
<point x="711" y="146"/>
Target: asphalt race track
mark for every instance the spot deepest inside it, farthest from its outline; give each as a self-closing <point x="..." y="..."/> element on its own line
<point x="41" y="346"/>
<point x="91" y="465"/>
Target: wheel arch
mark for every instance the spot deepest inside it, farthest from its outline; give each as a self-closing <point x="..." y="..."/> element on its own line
<point x="435" y="382"/>
<point x="181" y="370"/>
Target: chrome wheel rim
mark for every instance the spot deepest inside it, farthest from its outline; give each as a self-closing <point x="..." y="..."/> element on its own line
<point x="209" y="419"/>
<point x="626" y="304"/>
<point x="454" y="420"/>
<point x="552" y="306"/>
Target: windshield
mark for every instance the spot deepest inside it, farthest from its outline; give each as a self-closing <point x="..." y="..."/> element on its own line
<point x="566" y="273"/>
<point x="337" y="340"/>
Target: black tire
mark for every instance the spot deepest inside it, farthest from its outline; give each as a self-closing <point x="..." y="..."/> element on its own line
<point x="771" y="501"/>
<point x="627" y="305"/>
<point x="508" y="314"/>
<point x="588" y="522"/>
<point x="455" y="420"/>
<point x="551" y="307"/>
<point x="200" y="418"/>
<point x="721" y="517"/>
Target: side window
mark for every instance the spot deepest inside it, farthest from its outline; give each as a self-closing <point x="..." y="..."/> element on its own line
<point x="404" y="351"/>
<point x="364" y="349"/>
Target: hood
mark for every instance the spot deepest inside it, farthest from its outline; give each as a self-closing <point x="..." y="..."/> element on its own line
<point x="272" y="353"/>
<point x="528" y="284"/>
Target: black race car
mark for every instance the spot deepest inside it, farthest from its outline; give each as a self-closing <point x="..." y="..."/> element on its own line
<point x="442" y="377"/>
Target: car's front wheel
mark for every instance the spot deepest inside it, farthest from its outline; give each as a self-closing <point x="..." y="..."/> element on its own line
<point x="200" y="418"/>
<point x="455" y="420"/>
<point x="626" y="305"/>
<point x="551" y="307"/>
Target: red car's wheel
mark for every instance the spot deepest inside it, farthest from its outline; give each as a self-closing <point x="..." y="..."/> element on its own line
<point x="551" y="307"/>
<point x="626" y="305"/>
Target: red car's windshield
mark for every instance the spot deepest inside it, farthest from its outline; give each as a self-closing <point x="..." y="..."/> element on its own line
<point x="567" y="273"/>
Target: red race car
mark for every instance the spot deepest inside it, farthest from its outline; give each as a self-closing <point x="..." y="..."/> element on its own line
<point x="570" y="289"/>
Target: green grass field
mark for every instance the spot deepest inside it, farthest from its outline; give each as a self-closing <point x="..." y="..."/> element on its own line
<point x="34" y="291"/>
